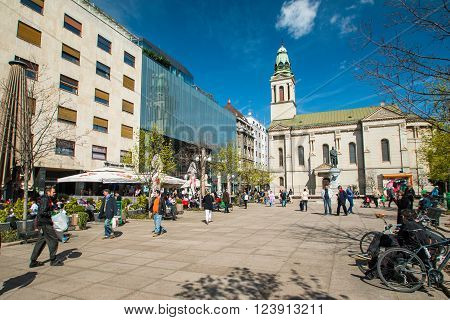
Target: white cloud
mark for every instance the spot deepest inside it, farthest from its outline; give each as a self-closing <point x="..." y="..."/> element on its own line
<point x="367" y="1"/>
<point x="353" y="6"/>
<point x="334" y="18"/>
<point x="346" y="25"/>
<point x="297" y="16"/>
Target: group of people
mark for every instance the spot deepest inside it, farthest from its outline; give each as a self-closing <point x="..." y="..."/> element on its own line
<point x="343" y="196"/>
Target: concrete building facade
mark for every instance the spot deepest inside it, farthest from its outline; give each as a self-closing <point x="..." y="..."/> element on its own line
<point x="261" y="150"/>
<point x="374" y="144"/>
<point x="245" y="139"/>
<point x="94" y="67"/>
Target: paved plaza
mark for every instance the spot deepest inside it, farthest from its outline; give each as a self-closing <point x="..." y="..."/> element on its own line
<point x="258" y="253"/>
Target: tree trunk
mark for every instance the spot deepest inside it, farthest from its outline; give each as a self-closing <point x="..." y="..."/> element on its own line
<point x="229" y="184"/>
<point x="25" y="191"/>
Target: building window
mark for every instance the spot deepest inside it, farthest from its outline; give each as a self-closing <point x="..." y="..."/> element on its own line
<point x="67" y="115"/>
<point x="128" y="59"/>
<point x="281" y="182"/>
<point x="29" y="34"/>
<point x="100" y="125"/>
<point x="280" y="157"/>
<point x="68" y="84"/>
<point x="72" y="25"/>
<point x="32" y="68"/>
<point x="104" y="44"/>
<point x="103" y="70"/>
<point x="128" y="83"/>
<point x="127" y="106"/>
<point x="101" y="97"/>
<point x="127" y="132"/>
<point x="125" y="156"/>
<point x="281" y="90"/>
<point x="326" y="154"/>
<point x="36" y="5"/>
<point x="352" y="152"/>
<point x="70" y="54"/>
<point x="301" y="156"/>
<point x="99" y="153"/>
<point x="385" y="152"/>
<point x="65" y="147"/>
<point x="289" y="92"/>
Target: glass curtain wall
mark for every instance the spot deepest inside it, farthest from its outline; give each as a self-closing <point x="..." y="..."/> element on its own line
<point x="181" y="110"/>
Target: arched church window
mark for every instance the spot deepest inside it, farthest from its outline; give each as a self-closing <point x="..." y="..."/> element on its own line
<point x="352" y="152"/>
<point x="301" y="156"/>
<point x="326" y="154"/>
<point x="281" y="93"/>
<point x="280" y="157"/>
<point x="385" y="152"/>
<point x="281" y="182"/>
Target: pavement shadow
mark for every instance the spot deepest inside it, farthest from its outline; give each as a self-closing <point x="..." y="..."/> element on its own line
<point x="242" y="283"/>
<point x="117" y="234"/>
<point x="18" y="282"/>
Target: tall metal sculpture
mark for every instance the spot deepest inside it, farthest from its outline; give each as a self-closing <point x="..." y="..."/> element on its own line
<point x="15" y="131"/>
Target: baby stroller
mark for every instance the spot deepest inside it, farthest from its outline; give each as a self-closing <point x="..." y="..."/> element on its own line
<point x="366" y="202"/>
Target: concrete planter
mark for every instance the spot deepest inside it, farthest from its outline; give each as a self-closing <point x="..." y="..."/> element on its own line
<point x="74" y="220"/>
<point x="180" y="207"/>
<point x="26" y="229"/>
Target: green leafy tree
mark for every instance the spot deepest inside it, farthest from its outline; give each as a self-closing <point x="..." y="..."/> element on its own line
<point x="226" y="162"/>
<point x="435" y="151"/>
<point x="152" y="156"/>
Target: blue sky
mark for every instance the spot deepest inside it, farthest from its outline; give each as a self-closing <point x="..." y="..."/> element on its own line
<point x="230" y="46"/>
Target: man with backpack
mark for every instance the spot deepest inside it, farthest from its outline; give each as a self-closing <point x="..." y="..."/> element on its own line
<point x="47" y="234"/>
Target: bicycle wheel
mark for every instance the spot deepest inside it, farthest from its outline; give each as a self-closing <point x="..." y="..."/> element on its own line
<point x="401" y="270"/>
<point x="365" y="241"/>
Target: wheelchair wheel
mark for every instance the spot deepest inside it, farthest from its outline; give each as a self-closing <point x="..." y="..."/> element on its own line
<point x="401" y="270"/>
<point x="365" y="241"/>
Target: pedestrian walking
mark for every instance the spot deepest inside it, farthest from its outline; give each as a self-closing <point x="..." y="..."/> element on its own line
<point x="208" y="204"/>
<point x="326" y="200"/>
<point x="304" y="201"/>
<point x="245" y="199"/>
<point x="108" y="210"/>
<point x="376" y="196"/>
<point x="158" y="207"/>
<point x="47" y="234"/>
<point x="271" y="198"/>
<point x="342" y="198"/>
<point x="226" y="201"/>
<point x="283" y="198"/>
<point x="350" y="196"/>
<point x="410" y="193"/>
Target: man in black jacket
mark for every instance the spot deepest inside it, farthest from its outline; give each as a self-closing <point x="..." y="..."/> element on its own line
<point x="47" y="234"/>
<point x="226" y="201"/>
<point x="208" y="204"/>
<point x="108" y="211"/>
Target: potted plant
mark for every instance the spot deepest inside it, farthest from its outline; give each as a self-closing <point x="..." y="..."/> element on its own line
<point x="73" y="209"/>
<point x="83" y="218"/>
<point x="4" y="226"/>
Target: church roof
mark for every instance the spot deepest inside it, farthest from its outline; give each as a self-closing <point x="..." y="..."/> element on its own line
<point x="330" y="118"/>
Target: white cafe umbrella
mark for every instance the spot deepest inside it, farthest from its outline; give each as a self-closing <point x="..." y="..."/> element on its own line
<point x="187" y="184"/>
<point x="105" y="175"/>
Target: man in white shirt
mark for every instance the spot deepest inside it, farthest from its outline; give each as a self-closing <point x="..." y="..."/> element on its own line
<point x="305" y="195"/>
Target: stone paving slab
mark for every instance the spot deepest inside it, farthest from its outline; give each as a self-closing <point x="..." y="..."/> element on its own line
<point x="258" y="253"/>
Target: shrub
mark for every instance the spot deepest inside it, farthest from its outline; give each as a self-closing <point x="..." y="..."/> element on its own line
<point x="9" y="236"/>
<point x="73" y="207"/>
<point x="90" y="200"/>
<point x="83" y="218"/>
<point x="178" y="201"/>
<point x="140" y="216"/>
<point x="125" y="203"/>
<point x="142" y="202"/>
<point x="98" y="204"/>
<point x="3" y="215"/>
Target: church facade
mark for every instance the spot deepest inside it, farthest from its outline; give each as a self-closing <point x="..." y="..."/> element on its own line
<point x="374" y="144"/>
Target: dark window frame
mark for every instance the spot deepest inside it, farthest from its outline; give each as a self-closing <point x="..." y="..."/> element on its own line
<point x="352" y="152"/>
<point x="326" y="155"/>
<point x="67" y="86"/>
<point x="131" y="59"/>
<point x="104" y="44"/>
<point x="33" y="6"/>
<point x="280" y="157"/>
<point x="67" y="56"/>
<point x="62" y="149"/>
<point x="301" y="155"/>
<point x="100" y="69"/>
<point x="385" y="150"/>
<point x="99" y="153"/>
<point x="71" y="28"/>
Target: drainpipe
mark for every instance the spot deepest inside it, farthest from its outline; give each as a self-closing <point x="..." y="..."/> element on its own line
<point x="292" y="164"/>
<point x="285" y="164"/>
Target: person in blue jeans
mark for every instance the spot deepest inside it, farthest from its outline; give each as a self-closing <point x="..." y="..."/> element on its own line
<point x="158" y="207"/>
<point x="326" y="197"/>
<point x="108" y="210"/>
<point x="350" y="197"/>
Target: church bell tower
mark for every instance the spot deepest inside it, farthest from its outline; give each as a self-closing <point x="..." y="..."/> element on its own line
<point x="282" y="84"/>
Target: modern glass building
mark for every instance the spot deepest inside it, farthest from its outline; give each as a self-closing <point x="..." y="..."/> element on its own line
<point x="183" y="111"/>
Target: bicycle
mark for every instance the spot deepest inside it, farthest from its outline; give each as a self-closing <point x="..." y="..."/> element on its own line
<point x="402" y="269"/>
<point x="367" y="238"/>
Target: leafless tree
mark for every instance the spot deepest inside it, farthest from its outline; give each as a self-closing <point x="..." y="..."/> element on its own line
<point x="412" y="65"/>
<point x="37" y="133"/>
